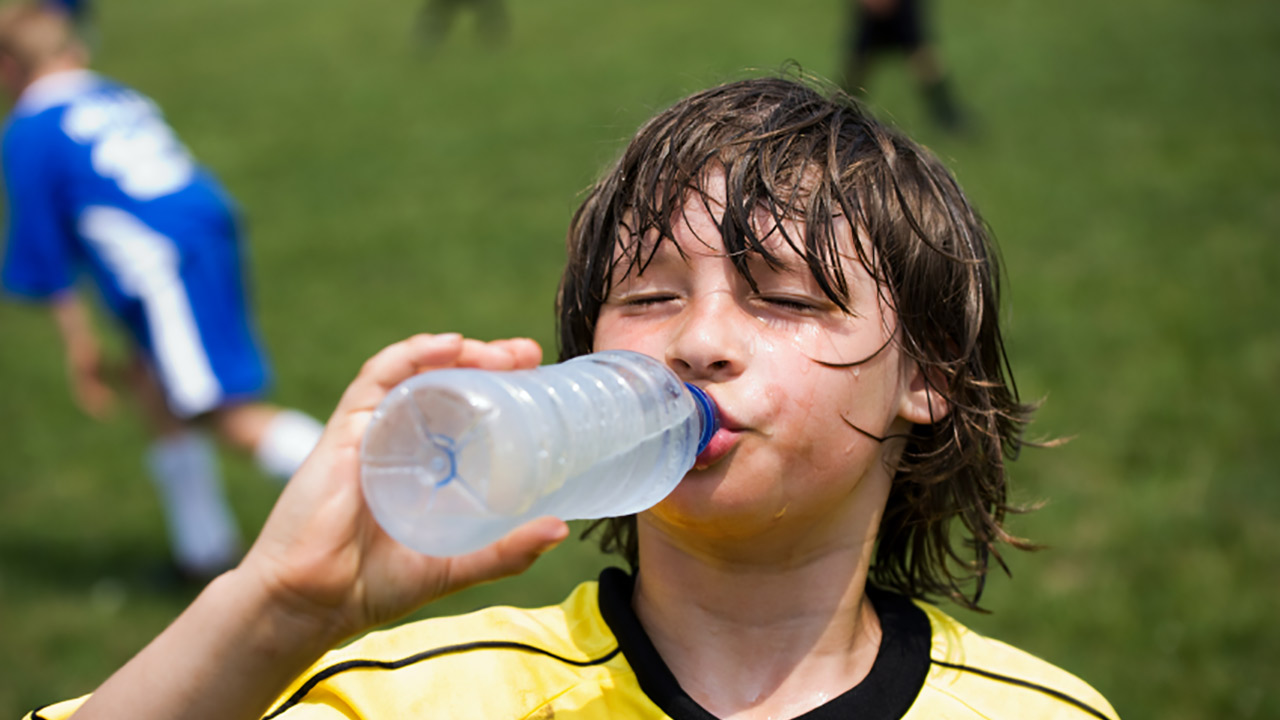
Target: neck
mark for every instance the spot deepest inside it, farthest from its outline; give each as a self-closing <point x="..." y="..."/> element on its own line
<point x="52" y="66"/>
<point x="748" y="636"/>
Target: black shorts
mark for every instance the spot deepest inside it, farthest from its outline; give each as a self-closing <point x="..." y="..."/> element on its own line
<point x="901" y="29"/>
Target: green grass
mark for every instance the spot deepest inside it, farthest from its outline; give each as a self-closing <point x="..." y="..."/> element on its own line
<point x="1125" y="153"/>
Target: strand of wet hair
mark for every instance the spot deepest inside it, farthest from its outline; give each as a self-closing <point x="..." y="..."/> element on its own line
<point x="854" y="364"/>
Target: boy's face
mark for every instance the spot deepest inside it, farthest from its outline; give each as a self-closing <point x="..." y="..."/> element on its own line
<point x="786" y="461"/>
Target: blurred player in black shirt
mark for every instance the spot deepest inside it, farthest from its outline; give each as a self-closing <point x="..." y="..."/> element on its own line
<point x="883" y="26"/>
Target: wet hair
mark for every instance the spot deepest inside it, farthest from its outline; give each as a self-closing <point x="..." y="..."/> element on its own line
<point x="804" y="153"/>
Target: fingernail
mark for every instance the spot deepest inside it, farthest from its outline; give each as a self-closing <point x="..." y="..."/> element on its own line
<point x="560" y="534"/>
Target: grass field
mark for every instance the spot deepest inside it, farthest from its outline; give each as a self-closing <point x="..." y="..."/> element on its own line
<point x="1125" y="153"/>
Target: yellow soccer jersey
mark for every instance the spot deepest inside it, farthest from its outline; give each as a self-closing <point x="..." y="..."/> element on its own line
<point x="589" y="659"/>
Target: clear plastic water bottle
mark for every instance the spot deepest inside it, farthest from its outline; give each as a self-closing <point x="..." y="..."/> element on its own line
<point x="454" y="459"/>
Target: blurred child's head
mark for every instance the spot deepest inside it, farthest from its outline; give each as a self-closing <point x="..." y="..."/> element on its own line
<point x="811" y="159"/>
<point x="32" y="36"/>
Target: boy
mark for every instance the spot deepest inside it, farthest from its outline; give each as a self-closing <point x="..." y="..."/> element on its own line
<point x="827" y="283"/>
<point x="96" y="181"/>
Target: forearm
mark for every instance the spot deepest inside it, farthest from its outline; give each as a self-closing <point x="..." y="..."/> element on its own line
<point x="74" y="327"/>
<point x="321" y="569"/>
<point x="229" y="655"/>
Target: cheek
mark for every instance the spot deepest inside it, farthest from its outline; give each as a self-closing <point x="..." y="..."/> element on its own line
<point x="831" y="402"/>
<point x="811" y="400"/>
<point x="822" y="403"/>
<point x="855" y="345"/>
<point x="618" y="334"/>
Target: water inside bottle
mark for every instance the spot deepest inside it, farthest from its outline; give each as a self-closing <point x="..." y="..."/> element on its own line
<point x="460" y="457"/>
<point x="430" y="438"/>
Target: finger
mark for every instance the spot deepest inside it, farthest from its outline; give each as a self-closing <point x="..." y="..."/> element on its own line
<point x="400" y="361"/>
<point x="396" y="363"/>
<point x="525" y="352"/>
<point x="512" y="354"/>
<point x="513" y="554"/>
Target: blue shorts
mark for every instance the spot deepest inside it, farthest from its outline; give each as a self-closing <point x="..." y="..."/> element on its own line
<point x="194" y="327"/>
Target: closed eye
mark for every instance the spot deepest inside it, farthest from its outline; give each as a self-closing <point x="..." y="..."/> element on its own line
<point x="646" y="299"/>
<point x="789" y="303"/>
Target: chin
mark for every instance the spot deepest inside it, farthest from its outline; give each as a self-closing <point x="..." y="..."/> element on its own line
<point x="715" y="511"/>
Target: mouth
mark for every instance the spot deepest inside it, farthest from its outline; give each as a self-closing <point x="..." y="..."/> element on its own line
<point x="720" y="445"/>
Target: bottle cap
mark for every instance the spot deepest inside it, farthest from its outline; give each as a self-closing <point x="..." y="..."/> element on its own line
<point x="710" y="418"/>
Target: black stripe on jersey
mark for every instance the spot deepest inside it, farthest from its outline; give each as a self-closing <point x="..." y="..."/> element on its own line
<point x="35" y="714"/>
<point x="1024" y="683"/>
<point x="342" y="667"/>
<point x="886" y="693"/>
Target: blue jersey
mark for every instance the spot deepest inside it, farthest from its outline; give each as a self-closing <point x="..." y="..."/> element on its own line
<point x="98" y="182"/>
<point x="77" y="146"/>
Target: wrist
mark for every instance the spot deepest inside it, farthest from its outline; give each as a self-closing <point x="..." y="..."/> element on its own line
<point x="278" y="626"/>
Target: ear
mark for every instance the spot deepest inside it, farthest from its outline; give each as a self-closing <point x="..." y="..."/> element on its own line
<point x="922" y="400"/>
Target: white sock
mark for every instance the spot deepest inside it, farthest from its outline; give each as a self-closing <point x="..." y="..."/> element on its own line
<point x="202" y="530"/>
<point x="288" y="440"/>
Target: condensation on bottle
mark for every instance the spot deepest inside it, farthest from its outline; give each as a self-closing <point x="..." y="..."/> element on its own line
<point x="454" y="459"/>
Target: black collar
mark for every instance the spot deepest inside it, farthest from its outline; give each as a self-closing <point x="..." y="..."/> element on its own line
<point x="886" y="693"/>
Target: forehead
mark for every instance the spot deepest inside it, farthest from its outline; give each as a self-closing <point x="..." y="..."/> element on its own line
<point x="757" y="236"/>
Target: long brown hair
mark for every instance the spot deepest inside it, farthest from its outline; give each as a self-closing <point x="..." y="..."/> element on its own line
<point x="806" y="153"/>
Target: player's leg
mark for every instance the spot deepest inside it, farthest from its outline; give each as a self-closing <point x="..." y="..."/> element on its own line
<point x="859" y="48"/>
<point x="879" y="27"/>
<point x="857" y="69"/>
<point x="183" y="464"/>
<point x="172" y="379"/>
<point x="939" y="99"/>
<point x="912" y="35"/>
<point x="279" y="439"/>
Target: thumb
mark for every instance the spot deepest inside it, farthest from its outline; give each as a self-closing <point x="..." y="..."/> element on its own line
<point x="511" y="555"/>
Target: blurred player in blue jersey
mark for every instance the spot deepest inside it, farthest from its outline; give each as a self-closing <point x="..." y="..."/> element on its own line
<point x="98" y="185"/>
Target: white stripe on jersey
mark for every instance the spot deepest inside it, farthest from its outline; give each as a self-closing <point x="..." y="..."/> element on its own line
<point x="55" y="89"/>
<point x="145" y="264"/>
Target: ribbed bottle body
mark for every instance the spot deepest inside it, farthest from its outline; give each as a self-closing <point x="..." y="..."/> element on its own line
<point x="454" y="459"/>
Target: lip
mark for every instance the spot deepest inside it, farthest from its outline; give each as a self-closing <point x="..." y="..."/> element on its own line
<point x="720" y="445"/>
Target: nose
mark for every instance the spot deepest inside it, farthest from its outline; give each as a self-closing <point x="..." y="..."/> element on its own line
<point x="709" y="342"/>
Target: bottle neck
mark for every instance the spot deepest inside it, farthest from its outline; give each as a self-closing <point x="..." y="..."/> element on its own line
<point x="707" y="412"/>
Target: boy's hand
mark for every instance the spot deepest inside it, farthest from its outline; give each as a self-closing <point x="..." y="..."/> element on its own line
<point x="323" y="557"/>
<point x="87" y="372"/>
<point x="89" y="378"/>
